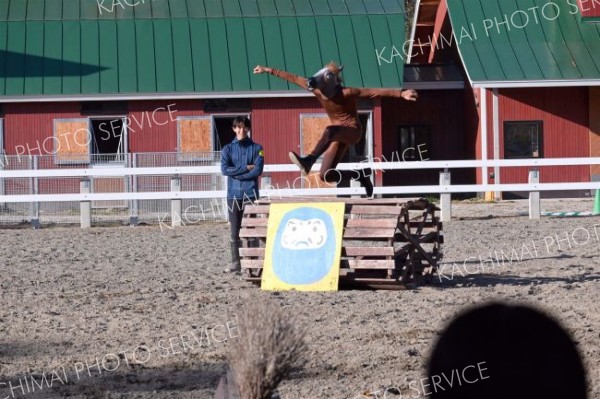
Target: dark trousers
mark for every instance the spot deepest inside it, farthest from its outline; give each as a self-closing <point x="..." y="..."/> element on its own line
<point x="333" y="144"/>
<point x="235" y="209"/>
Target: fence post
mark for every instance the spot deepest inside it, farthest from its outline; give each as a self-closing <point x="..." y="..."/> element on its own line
<point x="265" y="184"/>
<point x="355" y="184"/>
<point x="534" y="196"/>
<point x="3" y="161"/>
<point x="445" y="199"/>
<point x="265" y="181"/>
<point x="85" y="207"/>
<point x="35" y="206"/>
<point x="133" y="204"/>
<point x="224" y="206"/>
<point x="175" y="203"/>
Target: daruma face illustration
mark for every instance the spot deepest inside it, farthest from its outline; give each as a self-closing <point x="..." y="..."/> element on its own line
<point x="304" y="248"/>
<point x="304" y="234"/>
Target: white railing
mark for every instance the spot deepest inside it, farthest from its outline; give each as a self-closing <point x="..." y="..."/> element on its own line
<point x="172" y="170"/>
<point x="290" y="190"/>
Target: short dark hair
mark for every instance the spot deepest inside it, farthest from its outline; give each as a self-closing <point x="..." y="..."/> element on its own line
<point x="241" y="121"/>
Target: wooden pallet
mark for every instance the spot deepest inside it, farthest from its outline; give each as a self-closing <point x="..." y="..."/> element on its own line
<point x="387" y="243"/>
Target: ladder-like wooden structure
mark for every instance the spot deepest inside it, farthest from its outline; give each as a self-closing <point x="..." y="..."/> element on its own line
<point x="387" y="243"/>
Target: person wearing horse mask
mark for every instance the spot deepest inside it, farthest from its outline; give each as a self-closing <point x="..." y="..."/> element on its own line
<point x="345" y="130"/>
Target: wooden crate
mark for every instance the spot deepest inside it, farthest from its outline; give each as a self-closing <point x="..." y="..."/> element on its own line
<point x="387" y="243"/>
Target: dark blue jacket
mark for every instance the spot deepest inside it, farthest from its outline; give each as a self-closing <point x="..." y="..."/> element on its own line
<point x="235" y="157"/>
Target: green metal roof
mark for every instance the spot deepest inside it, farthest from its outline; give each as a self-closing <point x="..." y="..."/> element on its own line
<point x="206" y="47"/>
<point x="541" y="44"/>
<point x="37" y="10"/>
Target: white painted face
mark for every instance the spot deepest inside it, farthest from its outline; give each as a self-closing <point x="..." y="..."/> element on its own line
<point x="304" y="234"/>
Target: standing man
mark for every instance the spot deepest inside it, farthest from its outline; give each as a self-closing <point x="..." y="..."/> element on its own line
<point x="242" y="161"/>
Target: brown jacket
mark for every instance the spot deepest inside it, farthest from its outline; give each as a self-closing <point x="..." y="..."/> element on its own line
<point x="341" y="109"/>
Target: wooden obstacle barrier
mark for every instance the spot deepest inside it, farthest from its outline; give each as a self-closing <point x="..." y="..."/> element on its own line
<point x="387" y="243"/>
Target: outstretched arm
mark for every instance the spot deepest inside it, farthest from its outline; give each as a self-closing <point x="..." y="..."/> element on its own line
<point x="408" y="95"/>
<point x="290" y="77"/>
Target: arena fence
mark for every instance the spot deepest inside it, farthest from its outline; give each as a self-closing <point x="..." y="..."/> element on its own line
<point x="180" y="189"/>
<point x="44" y="177"/>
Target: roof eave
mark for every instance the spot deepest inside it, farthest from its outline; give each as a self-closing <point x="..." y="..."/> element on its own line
<point x="446" y="85"/>
<point x="155" y="96"/>
<point x="207" y="95"/>
<point x="514" y="84"/>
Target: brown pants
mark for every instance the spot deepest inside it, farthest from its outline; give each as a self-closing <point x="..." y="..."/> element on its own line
<point x="333" y="144"/>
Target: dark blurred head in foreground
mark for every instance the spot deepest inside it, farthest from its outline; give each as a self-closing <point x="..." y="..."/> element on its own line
<point x="500" y="352"/>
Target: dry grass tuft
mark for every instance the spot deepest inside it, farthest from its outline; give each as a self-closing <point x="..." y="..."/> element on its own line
<point x="269" y="345"/>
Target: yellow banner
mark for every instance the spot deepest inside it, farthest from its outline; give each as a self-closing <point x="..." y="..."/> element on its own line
<point x="304" y="245"/>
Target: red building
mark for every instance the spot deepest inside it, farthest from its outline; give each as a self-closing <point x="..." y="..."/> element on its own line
<point x="93" y="86"/>
<point x="533" y="80"/>
<point x="157" y="79"/>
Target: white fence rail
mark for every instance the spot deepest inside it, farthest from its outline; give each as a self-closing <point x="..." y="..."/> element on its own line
<point x="292" y="189"/>
<point x="302" y="192"/>
<point x="181" y="170"/>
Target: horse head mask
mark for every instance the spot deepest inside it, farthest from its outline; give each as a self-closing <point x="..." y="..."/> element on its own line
<point x="327" y="80"/>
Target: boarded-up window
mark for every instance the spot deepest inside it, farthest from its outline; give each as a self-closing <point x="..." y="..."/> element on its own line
<point x="312" y="127"/>
<point x="71" y="141"/>
<point x="195" y="138"/>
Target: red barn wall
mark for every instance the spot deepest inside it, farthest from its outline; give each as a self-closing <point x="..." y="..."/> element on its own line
<point x="594" y="112"/>
<point x="480" y="93"/>
<point x="471" y="101"/>
<point x="589" y="8"/>
<point x="159" y="129"/>
<point x="564" y="115"/>
<point x="26" y="124"/>
<point x="276" y="126"/>
<point x="443" y="111"/>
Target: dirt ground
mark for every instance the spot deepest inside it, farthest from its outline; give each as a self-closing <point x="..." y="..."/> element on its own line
<point x="137" y="312"/>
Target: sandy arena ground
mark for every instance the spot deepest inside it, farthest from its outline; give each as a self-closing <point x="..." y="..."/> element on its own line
<point x="69" y="297"/>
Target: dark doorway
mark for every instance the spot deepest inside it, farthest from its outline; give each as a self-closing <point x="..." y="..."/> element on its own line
<point x="107" y="140"/>
<point x="223" y="131"/>
<point x="359" y="151"/>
